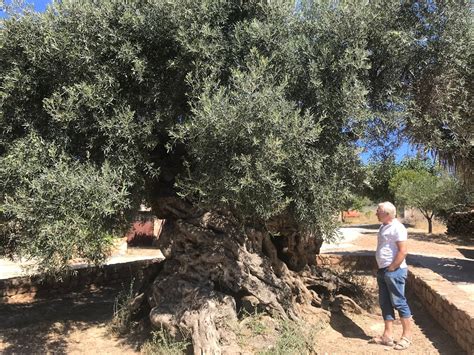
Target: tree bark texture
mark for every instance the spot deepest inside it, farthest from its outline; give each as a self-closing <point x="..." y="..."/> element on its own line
<point x="215" y="268"/>
<point x="430" y="225"/>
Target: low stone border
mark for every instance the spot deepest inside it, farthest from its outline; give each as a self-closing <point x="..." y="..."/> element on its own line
<point x="27" y="289"/>
<point x="449" y="305"/>
<point x="348" y="261"/>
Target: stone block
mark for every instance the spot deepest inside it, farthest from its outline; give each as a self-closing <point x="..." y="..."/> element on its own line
<point x="457" y="326"/>
<point x="463" y="315"/>
<point x="427" y="290"/>
<point x="462" y="343"/>
<point x="463" y="326"/>
<point x="23" y="289"/>
<point x="466" y="337"/>
<point x="428" y="297"/>
<point x="15" y="282"/>
<point x="99" y="278"/>
<point x="11" y="291"/>
<point x="433" y="313"/>
<point x="466" y="326"/>
<point x="74" y="284"/>
<point x="448" y="320"/>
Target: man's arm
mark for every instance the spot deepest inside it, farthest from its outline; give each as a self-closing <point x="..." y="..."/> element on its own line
<point x="401" y="255"/>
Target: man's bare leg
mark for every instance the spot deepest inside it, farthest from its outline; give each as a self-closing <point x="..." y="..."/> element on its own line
<point x="406" y="325"/>
<point x="386" y="338"/>
<point x="388" y="331"/>
<point x="405" y="341"/>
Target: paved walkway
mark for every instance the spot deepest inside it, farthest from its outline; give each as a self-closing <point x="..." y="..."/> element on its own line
<point x="454" y="263"/>
<point x="9" y="269"/>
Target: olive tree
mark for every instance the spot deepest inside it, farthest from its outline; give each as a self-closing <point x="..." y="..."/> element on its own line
<point x="430" y="193"/>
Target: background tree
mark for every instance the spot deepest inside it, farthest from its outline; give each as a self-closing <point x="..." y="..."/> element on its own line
<point x="408" y="170"/>
<point x="235" y="121"/>
<point x="379" y="173"/>
<point x="430" y="193"/>
<point x="354" y="202"/>
<point x="380" y="178"/>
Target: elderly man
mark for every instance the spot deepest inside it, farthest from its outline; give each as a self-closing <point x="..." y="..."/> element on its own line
<point x="391" y="275"/>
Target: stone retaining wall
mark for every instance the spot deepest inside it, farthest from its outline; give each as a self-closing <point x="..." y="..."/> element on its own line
<point x="348" y="261"/>
<point x="27" y="289"/>
<point x="449" y="305"/>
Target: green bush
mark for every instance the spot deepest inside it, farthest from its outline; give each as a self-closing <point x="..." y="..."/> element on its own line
<point x="122" y="319"/>
<point x="163" y="344"/>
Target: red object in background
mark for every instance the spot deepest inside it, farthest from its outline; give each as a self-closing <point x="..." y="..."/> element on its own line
<point x="351" y="214"/>
<point x="141" y="233"/>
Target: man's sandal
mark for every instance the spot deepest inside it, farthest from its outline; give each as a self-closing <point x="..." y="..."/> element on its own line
<point x="382" y="341"/>
<point x="403" y="344"/>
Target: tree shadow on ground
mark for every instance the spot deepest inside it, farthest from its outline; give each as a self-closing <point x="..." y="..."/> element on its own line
<point x="467" y="253"/>
<point x="438" y="238"/>
<point x="346" y="326"/>
<point x="439" y="337"/>
<point x="452" y="269"/>
<point x="43" y="326"/>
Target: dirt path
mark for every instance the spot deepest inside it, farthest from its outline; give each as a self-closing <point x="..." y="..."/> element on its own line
<point x="349" y="333"/>
<point x="448" y="257"/>
<point x="73" y="325"/>
<point x="78" y="325"/>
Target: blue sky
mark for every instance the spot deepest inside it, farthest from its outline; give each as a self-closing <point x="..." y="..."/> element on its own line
<point x="39" y="5"/>
<point x="404" y="150"/>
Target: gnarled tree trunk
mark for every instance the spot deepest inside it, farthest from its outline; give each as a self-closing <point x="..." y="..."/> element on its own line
<point x="215" y="267"/>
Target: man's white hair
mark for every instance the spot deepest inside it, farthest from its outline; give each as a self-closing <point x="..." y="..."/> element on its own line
<point x="389" y="208"/>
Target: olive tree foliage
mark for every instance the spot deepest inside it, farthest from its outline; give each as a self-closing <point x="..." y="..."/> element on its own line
<point x="408" y="170"/>
<point x="48" y="185"/>
<point x="434" y="61"/>
<point x="441" y="113"/>
<point x="383" y="176"/>
<point x="253" y="107"/>
<point x="431" y="193"/>
<point x="74" y="144"/>
<point x="378" y="175"/>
